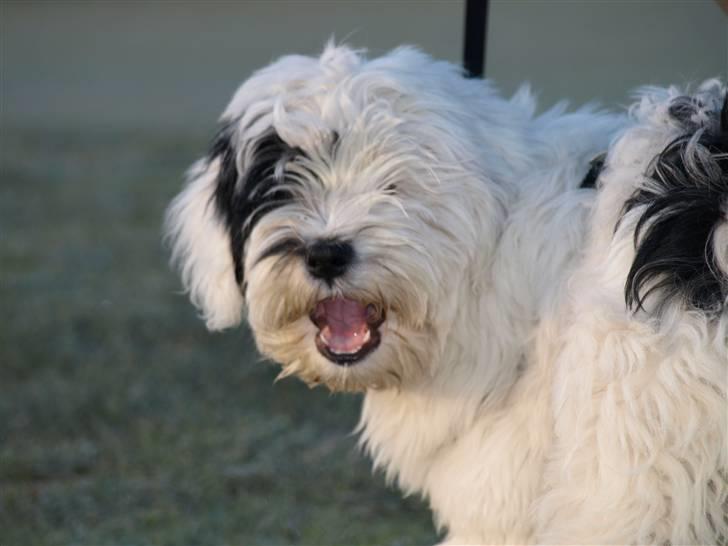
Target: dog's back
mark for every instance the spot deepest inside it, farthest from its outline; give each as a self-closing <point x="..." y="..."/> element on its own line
<point x="639" y="401"/>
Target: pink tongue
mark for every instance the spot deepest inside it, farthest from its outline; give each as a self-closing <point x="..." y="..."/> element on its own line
<point x="343" y="324"/>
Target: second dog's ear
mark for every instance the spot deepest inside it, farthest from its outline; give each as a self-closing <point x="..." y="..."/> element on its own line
<point x="200" y="241"/>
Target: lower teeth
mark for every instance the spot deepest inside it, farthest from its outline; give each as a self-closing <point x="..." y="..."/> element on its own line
<point x="365" y="339"/>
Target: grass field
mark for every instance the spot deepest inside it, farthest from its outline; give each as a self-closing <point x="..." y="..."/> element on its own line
<point x="122" y="421"/>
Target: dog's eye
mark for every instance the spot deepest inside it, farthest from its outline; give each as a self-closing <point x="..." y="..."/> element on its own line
<point x="390" y="188"/>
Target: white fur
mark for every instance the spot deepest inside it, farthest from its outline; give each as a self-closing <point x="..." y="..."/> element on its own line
<point x="525" y="405"/>
<point x="639" y="404"/>
<point x="201" y="250"/>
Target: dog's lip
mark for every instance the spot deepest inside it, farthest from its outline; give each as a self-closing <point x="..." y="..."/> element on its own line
<point x="359" y="320"/>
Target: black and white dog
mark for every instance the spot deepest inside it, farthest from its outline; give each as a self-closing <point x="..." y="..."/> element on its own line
<point x="545" y="363"/>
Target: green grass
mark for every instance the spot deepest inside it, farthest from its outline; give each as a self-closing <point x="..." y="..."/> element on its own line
<point x="122" y="421"/>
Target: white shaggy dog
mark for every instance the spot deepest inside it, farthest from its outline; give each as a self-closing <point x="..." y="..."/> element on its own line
<point x="391" y="227"/>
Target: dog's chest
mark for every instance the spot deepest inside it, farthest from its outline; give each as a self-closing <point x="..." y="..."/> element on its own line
<point x="480" y="469"/>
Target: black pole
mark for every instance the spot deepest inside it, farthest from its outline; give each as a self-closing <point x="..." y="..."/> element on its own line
<point x="476" y="27"/>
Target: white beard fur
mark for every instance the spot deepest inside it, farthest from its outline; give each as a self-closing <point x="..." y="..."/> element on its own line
<point x="512" y="388"/>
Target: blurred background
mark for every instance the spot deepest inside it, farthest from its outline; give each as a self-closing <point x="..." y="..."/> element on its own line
<point x="122" y="421"/>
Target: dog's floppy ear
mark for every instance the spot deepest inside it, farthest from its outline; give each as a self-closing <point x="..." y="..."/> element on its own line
<point x="200" y="240"/>
<point x="681" y="237"/>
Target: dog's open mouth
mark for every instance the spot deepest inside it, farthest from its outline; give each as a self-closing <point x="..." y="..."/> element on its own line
<point x="348" y="329"/>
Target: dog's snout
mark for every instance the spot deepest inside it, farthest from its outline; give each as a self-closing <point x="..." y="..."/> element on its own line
<point x="328" y="259"/>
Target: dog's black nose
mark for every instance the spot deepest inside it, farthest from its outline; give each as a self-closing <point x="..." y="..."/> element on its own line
<point x="329" y="258"/>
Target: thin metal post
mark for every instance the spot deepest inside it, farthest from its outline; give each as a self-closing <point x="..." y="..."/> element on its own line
<point x="476" y="29"/>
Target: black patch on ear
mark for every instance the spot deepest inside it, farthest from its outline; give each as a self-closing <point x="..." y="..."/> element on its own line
<point x="242" y="199"/>
<point x="683" y="204"/>
<point x="595" y="169"/>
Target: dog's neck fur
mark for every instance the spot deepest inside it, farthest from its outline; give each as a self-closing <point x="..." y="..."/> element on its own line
<point x="406" y="427"/>
<point x="410" y="431"/>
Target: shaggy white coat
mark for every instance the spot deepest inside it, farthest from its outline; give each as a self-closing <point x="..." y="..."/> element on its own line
<point x="511" y="389"/>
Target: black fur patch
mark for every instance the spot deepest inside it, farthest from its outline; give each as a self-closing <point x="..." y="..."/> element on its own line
<point x="243" y="198"/>
<point x="683" y="109"/>
<point x="595" y="168"/>
<point x="682" y="206"/>
<point x="285" y="247"/>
